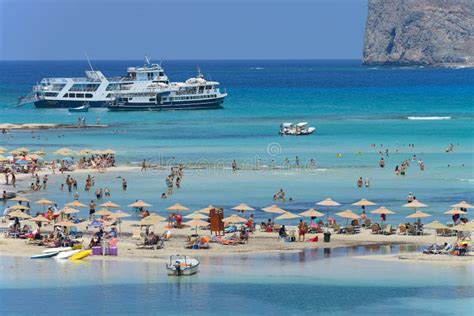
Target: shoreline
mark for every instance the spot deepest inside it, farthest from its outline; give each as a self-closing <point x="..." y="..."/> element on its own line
<point x="45" y="126"/>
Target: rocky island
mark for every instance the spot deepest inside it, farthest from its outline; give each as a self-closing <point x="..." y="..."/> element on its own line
<point x="420" y="32"/>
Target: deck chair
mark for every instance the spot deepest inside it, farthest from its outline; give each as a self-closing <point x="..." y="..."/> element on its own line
<point x="375" y="228"/>
<point x="411" y="230"/>
<point x="136" y="234"/>
<point x="350" y="229"/>
<point x="388" y="229"/>
<point x="402" y="229"/>
<point x="368" y="223"/>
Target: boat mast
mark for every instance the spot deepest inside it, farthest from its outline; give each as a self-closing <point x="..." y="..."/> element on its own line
<point x="88" y="61"/>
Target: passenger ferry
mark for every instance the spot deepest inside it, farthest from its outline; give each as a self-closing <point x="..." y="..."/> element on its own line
<point x="144" y="88"/>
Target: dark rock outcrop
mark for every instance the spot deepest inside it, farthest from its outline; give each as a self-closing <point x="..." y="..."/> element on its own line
<point x="420" y="32"/>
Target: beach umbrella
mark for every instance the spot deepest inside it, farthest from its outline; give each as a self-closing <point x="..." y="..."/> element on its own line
<point x="64" y="152"/>
<point x="196" y="215"/>
<point x="436" y="225"/>
<point x="287" y="215"/>
<point x="207" y="210"/>
<point x="44" y="201"/>
<point x="139" y="204"/>
<point x="19" y="214"/>
<point x="75" y="203"/>
<point x="22" y="150"/>
<point x="463" y="227"/>
<point x="104" y="212"/>
<point x="39" y="152"/>
<point x="382" y="211"/>
<point x="39" y="218"/>
<point x="177" y="207"/>
<point x="312" y="213"/>
<point x="243" y="207"/>
<point x="85" y="151"/>
<point x="3" y="158"/>
<point x="21" y="162"/>
<point x="109" y="204"/>
<point x="234" y="219"/>
<point x="327" y="202"/>
<point x="348" y="214"/>
<point x="455" y="211"/>
<point x="68" y="210"/>
<point x="20" y="199"/>
<point x="274" y="210"/>
<point x="364" y="202"/>
<point x="415" y="204"/>
<point x="34" y="157"/>
<point x="65" y="224"/>
<point x="197" y="223"/>
<point x="153" y="219"/>
<point x="18" y="207"/>
<point x="463" y="204"/>
<point x="418" y="214"/>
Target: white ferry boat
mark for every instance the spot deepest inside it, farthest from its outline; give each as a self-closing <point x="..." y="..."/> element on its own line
<point x="194" y="93"/>
<point x="144" y="88"/>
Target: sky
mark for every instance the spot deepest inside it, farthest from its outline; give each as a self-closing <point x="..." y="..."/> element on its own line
<point x="181" y="29"/>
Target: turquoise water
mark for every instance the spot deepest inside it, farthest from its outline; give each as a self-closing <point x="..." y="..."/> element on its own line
<point x="320" y="281"/>
<point x="351" y="107"/>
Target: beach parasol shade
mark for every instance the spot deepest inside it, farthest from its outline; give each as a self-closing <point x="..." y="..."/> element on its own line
<point x="196" y="223"/>
<point x="348" y="214"/>
<point x="436" y="225"/>
<point x="109" y="204"/>
<point x="39" y="152"/>
<point x="287" y="215"/>
<point x="75" y="203"/>
<point x="234" y="219"/>
<point x="65" y="224"/>
<point x="85" y="151"/>
<point x="382" y="210"/>
<point x="140" y="203"/>
<point x="44" y="202"/>
<point x="18" y="214"/>
<point x="16" y="152"/>
<point x="120" y="214"/>
<point x="3" y="158"/>
<point x="463" y="204"/>
<point x="20" y="199"/>
<point x="415" y="204"/>
<point x="463" y="227"/>
<point x="3" y="149"/>
<point x="312" y="213"/>
<point x="152" y="220"/>
<point x="22" y="150"/>
<point x="104" y="212"/>
<point x="274" y="209"/>
<point x="39" y="218"/>
<point x="34" y="157"/>
<point x="68" y="210"/>
<point x="364" y="202"/>
<point x="177" y="207"/>
<point x="328" y="202"/>
<point x="243" y="207"/>
<point x="418" y="214"/>
<point x="18" y="207"/>
<point x="64" y="152"/>
<point x="454" y="211"/>
<point x="207" y="210"/>
<point x="196" y="215"/>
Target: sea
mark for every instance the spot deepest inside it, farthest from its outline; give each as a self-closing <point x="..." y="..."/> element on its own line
<point x="359" y="113"/>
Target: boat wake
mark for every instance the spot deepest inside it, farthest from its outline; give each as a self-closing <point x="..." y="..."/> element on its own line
<point x="428" y="118"/>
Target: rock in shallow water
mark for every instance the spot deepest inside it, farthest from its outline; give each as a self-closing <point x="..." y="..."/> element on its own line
<point x="420" y="32"/>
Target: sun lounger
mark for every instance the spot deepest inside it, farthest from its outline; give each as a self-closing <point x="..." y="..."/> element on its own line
<point x="388" y="229"/>
<point x="411" y="230"/>
<point x="375" y="229"/>
<point x="136" y="234"/>
<point x="402" y="229"/>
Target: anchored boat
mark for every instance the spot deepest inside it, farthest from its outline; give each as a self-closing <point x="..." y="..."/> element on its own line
<point x="298" y="129"/>
<point x="182" y="265"/>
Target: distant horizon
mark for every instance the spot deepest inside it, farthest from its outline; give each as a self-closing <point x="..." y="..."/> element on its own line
<point x="197" y="59"/>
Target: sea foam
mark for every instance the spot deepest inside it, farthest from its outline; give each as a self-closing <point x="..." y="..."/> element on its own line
<point x="428" y="118"/>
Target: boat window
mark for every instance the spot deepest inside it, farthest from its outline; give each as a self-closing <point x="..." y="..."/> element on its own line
<point x="80" y="95"/>
<point x="72" y="95"/>
<point x="109" y="95"/>
<point x="152" y="99"/>
<point x="65" y="95"/>
<point x="50" y="94"/>
<point x="88" y="95"/>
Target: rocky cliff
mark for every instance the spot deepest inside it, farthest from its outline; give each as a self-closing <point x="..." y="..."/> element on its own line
<point x="419" y="32"/>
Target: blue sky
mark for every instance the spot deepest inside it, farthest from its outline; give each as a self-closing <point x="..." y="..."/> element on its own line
<point x="182" y="29"/>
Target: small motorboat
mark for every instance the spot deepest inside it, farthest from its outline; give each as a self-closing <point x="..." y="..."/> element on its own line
<point x="83" y="108"/>
<point x="182" y="265"/>
<point x="45" y="255"/>
<point x="299" y="129"/>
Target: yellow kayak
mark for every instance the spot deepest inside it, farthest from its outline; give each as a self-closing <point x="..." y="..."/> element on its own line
<point x="81" y="255"/>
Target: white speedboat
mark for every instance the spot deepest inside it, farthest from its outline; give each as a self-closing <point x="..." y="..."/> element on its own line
<point x="182" y="265"/>
<point x="298" y="129"/>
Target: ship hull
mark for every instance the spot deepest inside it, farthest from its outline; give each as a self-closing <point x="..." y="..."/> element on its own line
<point x="184" y="105"/>
<point x="56" y="104"/>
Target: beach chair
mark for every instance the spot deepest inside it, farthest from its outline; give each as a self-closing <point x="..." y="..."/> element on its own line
<point x="388" y="229"/>
<point x="411" y="230"/>
<point x="402" y="229"/>
<point x="349" y="229"/>
<point x="375" y="228"/>
<point x="368" y="223"/>
<point x="337" y="228"/>
<point x="136" y="234"/>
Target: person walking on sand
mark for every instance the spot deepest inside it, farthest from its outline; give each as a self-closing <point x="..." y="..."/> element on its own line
<point x="13" y="180"/>
<point x="144" y="165"/>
